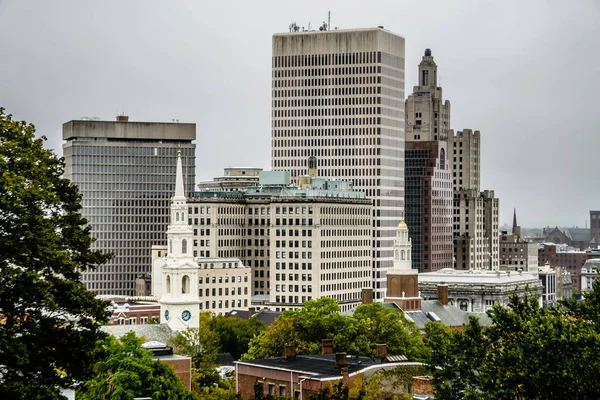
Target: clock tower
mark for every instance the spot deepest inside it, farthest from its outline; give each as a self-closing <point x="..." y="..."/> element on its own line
<point x="179" y="303"/>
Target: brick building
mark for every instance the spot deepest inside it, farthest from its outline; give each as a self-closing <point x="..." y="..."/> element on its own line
<point x="297" y="376"/>
<point x="571" y="260"/>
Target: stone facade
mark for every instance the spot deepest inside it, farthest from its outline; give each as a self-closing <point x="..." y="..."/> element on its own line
<point x="339" y="95"/>
<point x="477" y="291"/>
<point x="301" y="244"/>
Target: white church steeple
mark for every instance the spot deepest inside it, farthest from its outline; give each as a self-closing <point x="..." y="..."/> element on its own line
<point x="179" y="301"/>
<point x="402" y="279"/>
<point x="402" y="249"/>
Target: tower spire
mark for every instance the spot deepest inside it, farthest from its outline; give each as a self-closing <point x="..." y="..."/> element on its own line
<point x="514" y="227"/>
<point x="179" y="192"/>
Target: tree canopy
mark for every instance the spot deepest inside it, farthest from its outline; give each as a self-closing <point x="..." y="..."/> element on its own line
<point x="129" y="371"/>
<point x="357" y="334"/>
<point x="49" y="321"/>
<point x="528" y="353"/>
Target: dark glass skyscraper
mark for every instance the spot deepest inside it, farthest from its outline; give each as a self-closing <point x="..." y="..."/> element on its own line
<point x="125" y="172"/>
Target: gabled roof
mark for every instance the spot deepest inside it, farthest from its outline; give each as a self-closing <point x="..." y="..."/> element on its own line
<point x="267" y="317"/>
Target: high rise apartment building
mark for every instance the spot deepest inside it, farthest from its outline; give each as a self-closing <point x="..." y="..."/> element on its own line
<point x="339" y="95"/>
<point x="428" y="179"/>
<point x="476" y="213"/>
<point x="465" y="159"/>
<point x="125" y="172"/>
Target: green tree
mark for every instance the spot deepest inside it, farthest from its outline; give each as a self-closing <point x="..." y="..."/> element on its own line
<point x="235" y="333"/>
<point x="304" y="328"/>
<point x="50" y="322"/>
<point x="528" y="353"/>
<point x="129" y="371"/>
<point x="202" y="345"/>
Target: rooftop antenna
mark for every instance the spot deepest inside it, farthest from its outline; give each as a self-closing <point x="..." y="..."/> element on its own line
<point x="328" y="20"/>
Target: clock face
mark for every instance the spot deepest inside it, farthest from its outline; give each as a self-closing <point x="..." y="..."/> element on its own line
<point x="167" y="315"/>
<point x="186" y="315"/>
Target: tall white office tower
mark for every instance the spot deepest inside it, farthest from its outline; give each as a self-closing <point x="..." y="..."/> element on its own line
<point x="339" y="95"/>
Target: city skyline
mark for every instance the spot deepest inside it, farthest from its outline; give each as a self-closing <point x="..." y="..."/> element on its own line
<point x="55" y="72"/>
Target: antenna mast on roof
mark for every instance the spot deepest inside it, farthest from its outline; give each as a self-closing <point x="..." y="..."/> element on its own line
<point x="329" y="20"/>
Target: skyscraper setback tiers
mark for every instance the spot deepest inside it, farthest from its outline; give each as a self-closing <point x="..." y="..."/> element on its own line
<point x="125" y="172"/>
<point x="339" y="95"/>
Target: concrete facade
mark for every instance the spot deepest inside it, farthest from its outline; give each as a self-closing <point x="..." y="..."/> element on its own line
<point x="589" y="273"/>
<point x="465" y="159"/>
<point x="476" y="213"/>
<point x="233" y="179"/>
<point x="125" y="172"/>
<point x="224" y="285"/>
<point x="339" y="95"/>
<point x="301" y="244"/>
<point x="477" y="291"/>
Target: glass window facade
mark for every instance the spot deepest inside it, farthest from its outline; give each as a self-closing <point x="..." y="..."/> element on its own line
<point x="126" y="186"/>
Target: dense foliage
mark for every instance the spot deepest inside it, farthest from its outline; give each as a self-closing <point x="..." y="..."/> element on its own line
<point x="129" y="371"/>
<point x="234" y="334"/>
<point x="49" y="321"/>
<point x="357" y="334"/>
<point x="528" y="353"/>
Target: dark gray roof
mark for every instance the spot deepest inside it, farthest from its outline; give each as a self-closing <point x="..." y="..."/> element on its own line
<point x="150" y="332"/>
<point x="579" y="234"/>
<point x="267" y="317"/>
<point x="433" y="310"/>
<point x="319" y="365"/>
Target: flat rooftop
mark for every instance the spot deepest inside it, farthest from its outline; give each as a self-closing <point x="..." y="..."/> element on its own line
<point x="117" y="130"/>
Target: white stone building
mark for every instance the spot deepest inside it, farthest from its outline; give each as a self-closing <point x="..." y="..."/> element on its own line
<point x="233" y="179"/>
<point x="300" y="243"/>
<point x="477" y="290"/>
<point x="589" y="273"/>
<point x="224" y="285"/>
<point x="339" y="95"/>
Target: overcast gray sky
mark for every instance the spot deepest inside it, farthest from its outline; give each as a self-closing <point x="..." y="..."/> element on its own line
<point x="524" y="73"/>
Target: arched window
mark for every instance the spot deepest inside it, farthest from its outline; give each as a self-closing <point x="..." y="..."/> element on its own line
<point x="176" y="216"/>
<point x="168" y="283"/>
<point x="442" y="159"/>
<point x="403" y="255"/>
<point x="408" y="254"/>
<point x="464" y="305"/>
<point x="185" y="284"/>
<point x="184" y="246"/>
<point x="397" y="255"/>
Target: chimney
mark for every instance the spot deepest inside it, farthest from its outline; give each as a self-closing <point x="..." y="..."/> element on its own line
<point x="327" y="346"/>
<point x="122" y="118"/>
<point x="442" y="294"/>
<point x="252" y="310"/>
<point x="367" y="296"/>
<point x="340" y="360"/>
<point x="289" y="352"/>
<point x="381" y="350"/>
<point x="345" y="376"/>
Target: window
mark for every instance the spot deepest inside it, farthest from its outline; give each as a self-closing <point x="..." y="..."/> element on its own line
<point x="184" y="246"/>
<point x="168" y="283"/>
<point x="185" y="284"/>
